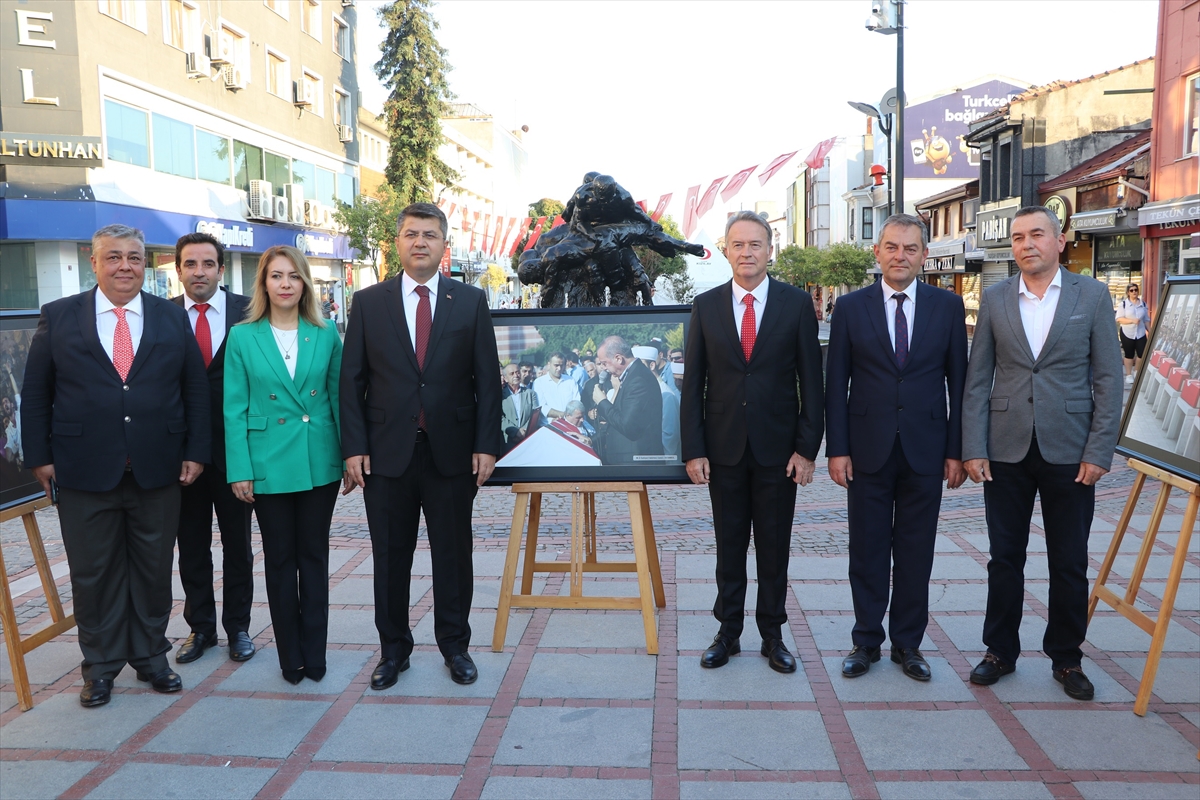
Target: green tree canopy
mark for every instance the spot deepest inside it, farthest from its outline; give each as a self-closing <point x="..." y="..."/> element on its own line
<point x="547" y="207"/>
<point x="371" y="229"/>
<point x="845" y="264"/>
<point x="413" y="68"/>
<point x="799" y="266"/>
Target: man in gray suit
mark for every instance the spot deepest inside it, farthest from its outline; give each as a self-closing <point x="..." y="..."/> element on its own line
<point x="1045" y="357"/>
<point x="516" y="408"/>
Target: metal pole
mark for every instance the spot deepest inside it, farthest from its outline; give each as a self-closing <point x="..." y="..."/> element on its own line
<point x="899" y="126"/>
<point x="890" y="175"/>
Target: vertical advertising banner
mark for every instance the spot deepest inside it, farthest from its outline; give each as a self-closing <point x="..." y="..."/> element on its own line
<point x="936" y="128"/>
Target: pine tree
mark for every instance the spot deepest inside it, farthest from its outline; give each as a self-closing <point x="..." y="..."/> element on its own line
<point x="413" y="68"/>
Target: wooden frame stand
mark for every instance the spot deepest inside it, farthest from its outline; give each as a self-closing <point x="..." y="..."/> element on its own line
<point x="583" y="555"/>
<point x="1157" y="628"/>
<point x="18" y="647"/>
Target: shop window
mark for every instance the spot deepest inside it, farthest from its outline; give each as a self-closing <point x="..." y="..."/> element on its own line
<point x="1177" y="257"/>
<point x="181" y="24"/>
<point x="279" y="75"/>
<point x="278" y="172"/>
<point x="127" y="134"/>
<point x="310" y="18"/>
<point x="312" y="82"/>
<point x="212" y="157"/>
<point x="970" y="296"/>
<point x="1191" y="117"/>
<point x="324" y="193"/>
<point x="247" y="165"/>
<point x="131" y="12"/>
<point x="18" y="276"/>
<point x="87" y="276"/>
<point x="160" y="278"/>
<point x="280" y="7"/>
<point x="249" y="269"/>
<point x="346" y="189"/>
<point x="304" y="174"/>
<point x="174" y="151"/>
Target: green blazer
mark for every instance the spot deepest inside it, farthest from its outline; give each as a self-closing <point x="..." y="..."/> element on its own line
<point x="279" y="432"/>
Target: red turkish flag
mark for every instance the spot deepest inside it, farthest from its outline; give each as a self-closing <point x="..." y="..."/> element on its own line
<point x="642" y="203"/>
<point x="816" y="159"/>
<point x="537" y="232"/>
<point x="496" y="235"/>
<point x="775" y="165"/>
<point x="736" y="182"/>
<point x="661" y="208"/>
<point x="450" y="213"/>
<point x="710" y="197"/>
<point x="557" y="221"/>
<point x="521" y="231"/>
<point x="689" y="212"/>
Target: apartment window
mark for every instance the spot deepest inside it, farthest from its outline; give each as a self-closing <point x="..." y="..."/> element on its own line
<point x="962" y="216"/>
<point x="181" y="25"/>
<point x="1004" y="171"/>
<point x="131" y="12"/>
<point x="212" y="157"/>
<point x="247" y="165"/>
<point x="280" y="7"/>
<point x="341" y="37"/>
<point x="279" y="75"/>
<point x="1191" y="119"/>
<point x="304" y="174"/>
<point x="868" y="228"/>
<point x="342" y="113"/>
<point x="278" y="172"/>
<point x="985" y="177"/>
<point x="312" y="83"/>
<point x="325" y="192"/>
<point x="174" y="147"/>
<point x="945" y="221"/>
<point x="346" y="189"/>
<point x="850" y="226"/>
<point x="310" y="18"/>
<point x="127" y="134"/>
<point x="234" y="46"/>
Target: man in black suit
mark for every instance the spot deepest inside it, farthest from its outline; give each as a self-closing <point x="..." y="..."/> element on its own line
<point x="115" y="409"/>
<point x="212" y="312"/>
<point x="420" y="409"/>
<point x="633" y="417"/>
<point x="745" y="431"/>
<point x="897" y="351"/>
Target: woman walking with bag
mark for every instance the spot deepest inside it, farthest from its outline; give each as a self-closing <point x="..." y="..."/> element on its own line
<point x="1133" y="317"/>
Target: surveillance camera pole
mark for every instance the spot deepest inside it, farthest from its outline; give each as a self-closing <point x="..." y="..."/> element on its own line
<point x="901" y="147"/>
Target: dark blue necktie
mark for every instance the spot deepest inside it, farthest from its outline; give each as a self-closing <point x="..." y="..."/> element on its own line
<point x="901" y="330"/>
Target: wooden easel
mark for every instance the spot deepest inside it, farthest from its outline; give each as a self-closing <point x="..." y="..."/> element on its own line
<point x="583" y="555"/>
<point x="18" y="647"/>
<point x="1157" y="628"/>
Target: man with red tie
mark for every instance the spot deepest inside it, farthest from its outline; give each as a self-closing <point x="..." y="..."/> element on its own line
<point x="115" y="411"/>
<point x="212" y="312"/>
<point x="748" y="433"/>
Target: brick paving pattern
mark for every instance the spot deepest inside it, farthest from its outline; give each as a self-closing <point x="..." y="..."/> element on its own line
<point x="574" y="706"/>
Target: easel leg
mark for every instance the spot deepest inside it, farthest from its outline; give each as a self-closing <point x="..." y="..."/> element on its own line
<point x="12" y="640"/>
<point x="43" y="566"/>
<point x="510" y="572"/>
<point x="589" y="513"/>
<point x="1151" y="533"/>
<point x="578" y="514"/>
<point x="1118" y="535"/>
<point x="660" y="597"/>
<point x="637" y="519"/>
<point x="535" y="517"/>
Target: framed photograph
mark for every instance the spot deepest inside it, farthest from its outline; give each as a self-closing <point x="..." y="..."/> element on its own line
<point x="17" y="484"/>
<point x="591" y="394"/>
<point x="1161" y="424"/>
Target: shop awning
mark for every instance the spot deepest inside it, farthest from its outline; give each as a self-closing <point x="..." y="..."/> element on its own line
<point x="1086" y="221"/>
<point x="1181" y="209"/>
<point x="947" y="247"/>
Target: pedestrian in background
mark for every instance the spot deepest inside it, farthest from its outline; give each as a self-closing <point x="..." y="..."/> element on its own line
<point x="1134" y="318"/>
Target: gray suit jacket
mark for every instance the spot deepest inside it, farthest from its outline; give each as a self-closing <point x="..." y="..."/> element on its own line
<point x="1072" y="391"/>
<point x="511" y="414"/>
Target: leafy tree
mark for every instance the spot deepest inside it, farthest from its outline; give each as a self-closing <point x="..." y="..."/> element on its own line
<point x="659" y="266"/>
<point x="413" y="68"/>
<point x="371" y="229"/>
<point x="845" y="264"/>
<point x="799" y="266"/>
<point x="589" y="337"/>
<point x="547" y="207"/>
<point x="494" y="279"/>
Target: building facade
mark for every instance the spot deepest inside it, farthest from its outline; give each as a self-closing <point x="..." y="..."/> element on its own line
<point x="173" y="116"/>
<point x="953" y="262"/>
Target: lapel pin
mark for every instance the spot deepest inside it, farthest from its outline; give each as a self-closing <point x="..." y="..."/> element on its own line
<point x="447" y="297"/>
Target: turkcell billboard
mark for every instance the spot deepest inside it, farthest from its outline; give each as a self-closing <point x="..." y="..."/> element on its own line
<point x="936" y="128"/>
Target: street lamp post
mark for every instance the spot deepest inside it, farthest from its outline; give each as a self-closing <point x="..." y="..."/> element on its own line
<point x="883" y="21"/>
<point x="885" y="127"/>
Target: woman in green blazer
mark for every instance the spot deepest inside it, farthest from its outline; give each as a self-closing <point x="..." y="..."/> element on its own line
<point x="281" y="437"/>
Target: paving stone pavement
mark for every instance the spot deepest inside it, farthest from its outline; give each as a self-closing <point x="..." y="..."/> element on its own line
<point x="574" y="707"/>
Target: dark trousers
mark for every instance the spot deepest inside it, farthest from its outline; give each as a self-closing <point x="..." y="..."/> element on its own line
<point x="1067" y="509"/>
<point x="295" y="537"/>
<point x="893" y="517"/>
<point x="119" y="546"/>
<point x="394" y="506"/>
<point x="212" y="491"/>
<point x="745" y="496"/>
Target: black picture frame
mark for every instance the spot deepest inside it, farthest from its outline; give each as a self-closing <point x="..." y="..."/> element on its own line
<point x="1161" y="423"/>
<point x="573" y="327"/>
<point x="17" y="484"/>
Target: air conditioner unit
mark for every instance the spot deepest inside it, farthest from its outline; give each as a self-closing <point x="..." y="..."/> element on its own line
<point x="198" y="65"/>
<point x="225" y="46"/>
<point x="312" y="212"/>
<point x="298" y="95"/>
<point x="262" y="204"/>
<point x="294" y="192"/>
<point x="234" y="79"/>
<point x="347" y="3"/>
<point x="345" y="133"/>
<point x="280" y="207"/>
<point x="327" y="218"/>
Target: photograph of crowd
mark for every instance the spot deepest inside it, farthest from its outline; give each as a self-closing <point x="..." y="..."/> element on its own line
<point x="590" y="395"/>
<point x="1162" y="423"/>
<point x="17" y="484"/>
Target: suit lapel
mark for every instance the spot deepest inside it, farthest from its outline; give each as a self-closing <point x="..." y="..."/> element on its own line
<point x="270" y="350"/>
<point x="1068" y="298"/>
<point x="395" y="307"/>
<point x="1012" y="311"/>
<point x="445" y="307"/>
<point x="86" y="316"/>
<point x="151" y="328"/>
<point x="927" y="300"/>
<point x="879" y="319"/>
<point x="306" y="345"/>
<point x="771" y="315"/>
<point x="725" y="293"/>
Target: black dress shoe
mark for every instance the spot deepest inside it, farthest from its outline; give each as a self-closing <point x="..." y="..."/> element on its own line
<point x="314" y="673"/>
<point x="990" y="670"/>
<point x="718" y="653"/>
<point x="95" y="693"/>
<point x="241" y="648"/>
<point x="1075" y="683"/>
<point x="386" y="673"/>
<point x="165" y="681"/>
<point x="293" y="676"/>
<point x="193" y="647"/>
<point x="778" y="656"/>
<point x="462" y="668"/>
<point x="859" y="661"/>
<point x="912" y="662"/>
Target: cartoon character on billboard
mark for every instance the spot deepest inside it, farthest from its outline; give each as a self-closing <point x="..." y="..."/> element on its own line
<point x="937" y="151"/>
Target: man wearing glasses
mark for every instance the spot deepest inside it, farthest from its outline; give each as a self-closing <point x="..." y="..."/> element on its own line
<point x="1133" y="317"/>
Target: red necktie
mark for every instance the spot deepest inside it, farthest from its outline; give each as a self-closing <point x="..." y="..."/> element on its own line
<point x="122" y="345"/>
<point x="203" y="334"/>
<point x="424" y="327"/>
<point x="748" y="320"/>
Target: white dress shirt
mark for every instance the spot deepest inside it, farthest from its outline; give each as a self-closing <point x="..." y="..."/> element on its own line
<point x="1037" y="313"/>
<point x="409" y="289"/>
<point x="889" y="309"/>
<point x="555" y="395"/>
<point x="288" y="343"/>
<point x="215" y="314"/>
<point x="106" y="321"/>
<point x="739" y="305"/>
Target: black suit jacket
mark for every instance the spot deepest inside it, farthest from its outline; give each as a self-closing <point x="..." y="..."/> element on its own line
<point x="868" y="398"/>
<point x="634" y="419"/>
<point x="78" y="415"/>
<point x="383" y="391"/>
<point x="236" y="306"/>
<point x="728" y="403"/>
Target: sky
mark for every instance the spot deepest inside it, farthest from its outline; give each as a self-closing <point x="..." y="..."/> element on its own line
<point x="667" y="94"/>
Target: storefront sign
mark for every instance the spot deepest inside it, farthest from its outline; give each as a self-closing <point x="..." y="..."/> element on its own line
<point x="946" y="264"/>
<point x="1094" y="220"/>
<point x="312" y="244"/>
<point x="1183" y="209"/>
<point x="992" y="226"/>
<point x="1060" y="207"/>
<point x="1122" y="249"/>
<point x="939" y="249"/>
<point x="51" y="150"/>
<point x="229" y="235"/>
<point x="1171" y="226"/>
<point x="998" y="254"/>
<point x="936" y="129"/>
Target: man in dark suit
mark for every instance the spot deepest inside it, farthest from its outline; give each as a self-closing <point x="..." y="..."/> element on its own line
<point x="517" y="407"/>
<point x="420" y="432"/>
<point x="212" y="312"/>
<point x="745" y="431"/>
<point x="633" y="418"/>
<point x="115" y="409"/>
<point x="897" y="350"/>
